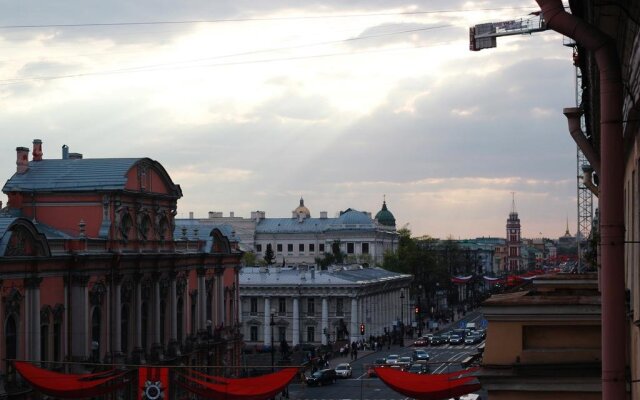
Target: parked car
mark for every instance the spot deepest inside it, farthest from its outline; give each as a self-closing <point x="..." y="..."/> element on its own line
<point x="456" y="339"/>
<point x="392" y="359"/>
<point x="418" y="369"/>
<point x="343" y="370"/>
<point x="420" y="356"/>
<point x="322" y="377"/>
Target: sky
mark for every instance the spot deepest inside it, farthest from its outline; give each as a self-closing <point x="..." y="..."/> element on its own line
<point x="251" y="105"/>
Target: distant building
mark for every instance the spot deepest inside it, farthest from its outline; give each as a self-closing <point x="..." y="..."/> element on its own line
<point x="316" y="306"/>
<point x="301" y="239"/>
<point x="514" y="241"/>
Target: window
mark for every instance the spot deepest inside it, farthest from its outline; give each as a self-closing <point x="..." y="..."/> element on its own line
<point x="282" y="334"/>
<point x="57" y="336"/>
<point x="339" y="307"/>
<point x="254" y="333"/>
<point x="311" y="306"/>
<point x="365" y="248"/>
<point x="290" y="247"/>
<point x="96" y="319"/>
<point x="259" y="248"/>
<point x="311" y="334"/>
<point x="179" y="314"/>
<point x="11" y="338"/>
<point x="301" y="247"/>
<point x="144" y="321"/>
<point x="163" y="318"/>
<point x="312" y="247"/>
<point x="321" y="247"/>
<point x="254" y="306"/>
<point x="124" y="329"/>
<point x="282" y="305"/>
<point x="44" y="342"/>
<point x="350" y="247"/>
<point x="279" y="247"/>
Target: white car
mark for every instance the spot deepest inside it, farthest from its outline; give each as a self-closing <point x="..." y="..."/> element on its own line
<point x="392" y="358"/>
<point x="344" y="370"/>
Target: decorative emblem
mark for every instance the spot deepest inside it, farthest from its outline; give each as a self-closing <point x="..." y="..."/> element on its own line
<point x="152" y="390"/>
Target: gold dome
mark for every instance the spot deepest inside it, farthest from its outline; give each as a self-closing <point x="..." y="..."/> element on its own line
<point x="302" y="210"/>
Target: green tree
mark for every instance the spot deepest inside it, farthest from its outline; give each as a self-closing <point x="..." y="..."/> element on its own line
<point x="249" y="258"/>
<point x="269" y="257"/>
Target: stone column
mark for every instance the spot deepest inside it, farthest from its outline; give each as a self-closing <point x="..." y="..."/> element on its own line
<point x="156" y="310"/>
<point x="296" y="321"/>
<point x="138" y="313"/>
<point x="355" y="328"/>
<point x="116" y="328"/>
<point x="174" y="307"/>
<point x="201" y="306"/>
<point x="325" y="320"/>
<point x="32" y="318"/>
<point x="79" y="312"/>
<point x="221" y="302"/>
<point x="267" y="321"/>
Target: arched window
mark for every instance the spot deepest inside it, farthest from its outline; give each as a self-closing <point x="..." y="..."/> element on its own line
<point x="11" y="338"/>
<point x="96" y="328"/>
<point x="57" y="336"/>
<point x="44" y="341"/>
<point x="193" y="317"/>
<point x="209" y="306"/>
<point x="144" y="321"/>
<point x="179" y="318"/>
<point x="124" y="329"/>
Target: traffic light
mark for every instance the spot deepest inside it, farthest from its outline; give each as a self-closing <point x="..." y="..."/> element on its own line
<point x="362" y="329"/>
<point x="417" y="309"/>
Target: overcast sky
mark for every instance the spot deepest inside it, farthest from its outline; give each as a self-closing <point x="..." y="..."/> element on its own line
<point x="341" y="102"/>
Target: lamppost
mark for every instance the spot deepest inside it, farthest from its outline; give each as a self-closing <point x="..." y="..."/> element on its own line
<point x="271" y="323"/>
<point x="401" y="317"/>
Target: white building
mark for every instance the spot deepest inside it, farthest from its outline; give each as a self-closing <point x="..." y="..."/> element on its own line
<point x="313" y="307"/>
<point x="300" y="239"/>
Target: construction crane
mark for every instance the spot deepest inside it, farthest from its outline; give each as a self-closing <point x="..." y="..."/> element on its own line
<point x="483" y="36"/>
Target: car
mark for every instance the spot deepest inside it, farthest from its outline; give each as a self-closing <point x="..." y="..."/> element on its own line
<point x="472" y="339"/>
<point x="456" y="339"/>
<point x="428" y="336"/>
<point x="446" y="336"/>
<point x="420" y="356"/>
<point x="482" y="332"/>
<point x="343" y="370"/>
<point x="418" y="369"/>
<point x="322" y="377"/>
<point x="438" y="340"/>
<point x="403" y="362"/>
<point x="392" y="359"/>
<point x="379" y="362"/>
<point x="421" y="342"/>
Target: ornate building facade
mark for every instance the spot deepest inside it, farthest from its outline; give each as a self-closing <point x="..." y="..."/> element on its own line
<point x="91" y="269"/>
<point x="514" y="241"/>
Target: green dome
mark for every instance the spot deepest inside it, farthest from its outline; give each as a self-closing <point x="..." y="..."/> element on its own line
<point x="384" y="216"/>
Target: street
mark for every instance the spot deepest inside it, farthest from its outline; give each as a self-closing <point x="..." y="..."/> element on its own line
<point x="443" y="358"/>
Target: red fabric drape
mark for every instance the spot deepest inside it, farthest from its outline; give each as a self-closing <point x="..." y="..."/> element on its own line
<point x="256" y="388"/>
<point x="68" y="386"/>
<point x="153" y="383"/>
<point x="429" y="387"/>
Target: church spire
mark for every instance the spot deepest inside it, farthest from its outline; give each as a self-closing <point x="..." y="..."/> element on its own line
<point x="567" y="233"/>
<point x="513" y="202"/>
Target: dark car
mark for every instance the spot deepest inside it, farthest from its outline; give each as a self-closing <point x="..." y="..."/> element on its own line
<point x="473" y="339"/>
<point x="322" y="377"/>
<point x="456" y="339"/>
<point x="379" y="362"/>
<point x="482" y="332"/>
<point x="420" y="355"/>
<point x="438" y="340"/>
<point x="418" y="369"/>
<point x="421" y="342"/>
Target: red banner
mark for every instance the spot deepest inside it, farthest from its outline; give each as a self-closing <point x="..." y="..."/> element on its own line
<point x="153" y="383"/>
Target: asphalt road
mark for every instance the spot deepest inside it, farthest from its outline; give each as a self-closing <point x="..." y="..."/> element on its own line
<point x="443" y="358"/>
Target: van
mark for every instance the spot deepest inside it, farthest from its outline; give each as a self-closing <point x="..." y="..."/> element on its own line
<point x="471" y="326"/>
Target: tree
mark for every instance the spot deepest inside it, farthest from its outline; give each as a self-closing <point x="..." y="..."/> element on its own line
<point x="249" y="258"/>
<point x="269" y="257"/>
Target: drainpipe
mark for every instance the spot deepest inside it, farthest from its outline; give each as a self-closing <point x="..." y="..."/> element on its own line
<point x="573" y="115"/>
<point x="611" y="191"/>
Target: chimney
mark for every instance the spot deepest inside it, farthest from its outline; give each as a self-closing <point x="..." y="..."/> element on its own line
<point x="211" y="214"/>
<point x="323" y="215"/>
<point x="22" y="159"/>
<point x="37" y="150"/>
<point x="190" y="214"/>
<point x="231" y="214"/>
<point x="75" y="156"/>
<point x="65" y="152"/>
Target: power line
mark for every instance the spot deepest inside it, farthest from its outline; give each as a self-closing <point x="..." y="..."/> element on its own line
<point x="223" y="20"/>
<point x="177" y="65"/>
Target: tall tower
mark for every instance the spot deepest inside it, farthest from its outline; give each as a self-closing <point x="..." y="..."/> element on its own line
<point x="514" y="243"/>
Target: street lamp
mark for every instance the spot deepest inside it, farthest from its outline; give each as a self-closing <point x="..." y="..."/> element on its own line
<point x="271" y="323"/>
<point x="401" y="317"/>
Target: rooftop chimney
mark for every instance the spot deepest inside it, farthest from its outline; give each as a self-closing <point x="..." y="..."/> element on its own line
<point x="37" y="150"/>
<point x="75" y="156"/>
<point x="232" y="214"/>
<point x="323" y="215"/>
<point x="65" y="152"/>
<point x="190" y="214"/>
<point x="22" y="159"/>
